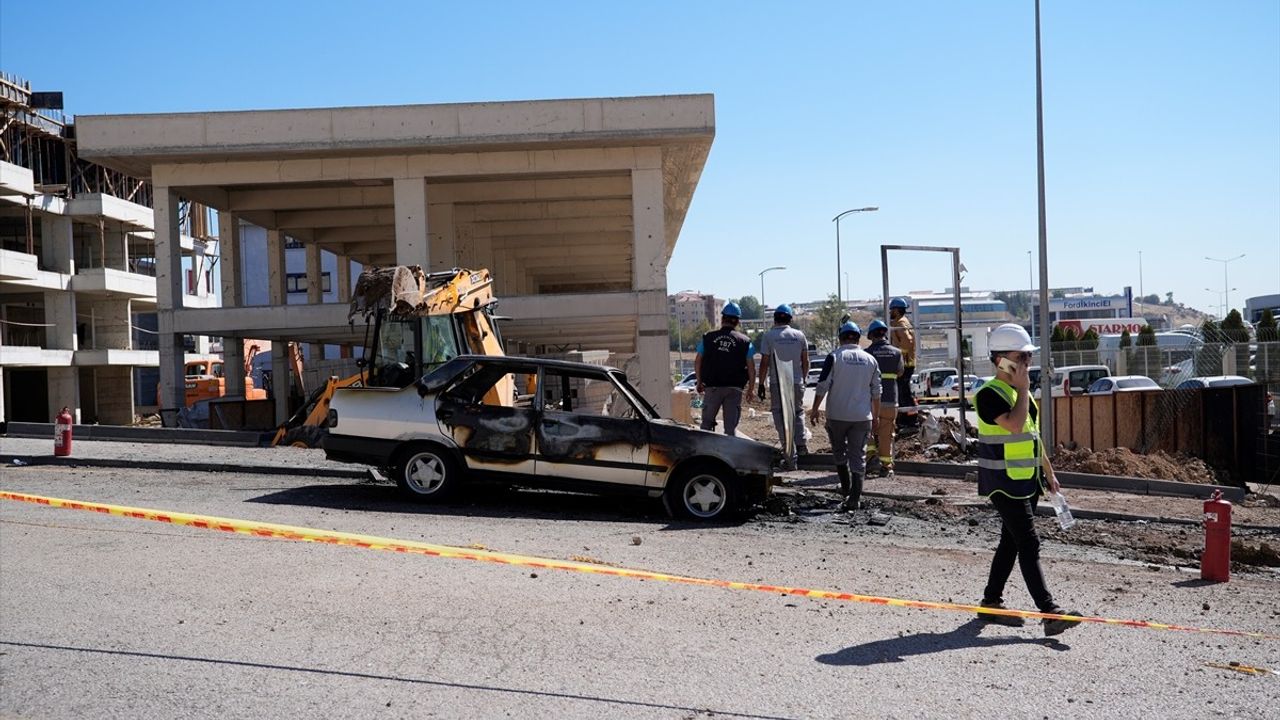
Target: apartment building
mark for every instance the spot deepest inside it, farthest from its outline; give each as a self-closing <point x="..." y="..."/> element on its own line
<point x="78" y="272"/>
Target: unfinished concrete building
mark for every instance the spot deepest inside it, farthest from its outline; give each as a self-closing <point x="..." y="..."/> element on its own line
<point x="77" y="272"/>
<point x="574" y="204"/>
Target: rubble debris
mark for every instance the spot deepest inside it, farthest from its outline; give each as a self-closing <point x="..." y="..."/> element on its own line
<point x="1123" y="462"/>
<point x="1263" y="555"/>
<point x="635" y="540"/>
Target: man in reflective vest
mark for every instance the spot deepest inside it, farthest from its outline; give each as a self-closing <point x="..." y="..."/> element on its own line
<point x="880" y="448"/>
<point x="1012" y="472"/>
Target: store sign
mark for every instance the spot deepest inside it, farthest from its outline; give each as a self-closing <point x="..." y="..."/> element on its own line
<point x="1104" y="326"/>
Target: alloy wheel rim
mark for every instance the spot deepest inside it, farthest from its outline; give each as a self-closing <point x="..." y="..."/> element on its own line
<point x="425" y="473"/>
<point x="704" y="496"/>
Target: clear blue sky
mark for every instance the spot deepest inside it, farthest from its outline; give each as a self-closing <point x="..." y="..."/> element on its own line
<point x="1162" y="118"/>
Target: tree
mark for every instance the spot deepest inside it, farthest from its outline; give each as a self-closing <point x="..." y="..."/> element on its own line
<point x="751" y="308"/>
<point x="1126" y="340"/>
<point x="1152" y="299"/>
<point x="1208" y="360"/>
<point x="1168" y="298"/>
<point x="1267" y="328"/>
<point x="1149" y="356"/>
<point x="1236" y="332"/>
<point x="1069" y="335"/>
<point x="1056" y="337"/>
<point x="826" y="322"/>
<point x="1089" y="346"/>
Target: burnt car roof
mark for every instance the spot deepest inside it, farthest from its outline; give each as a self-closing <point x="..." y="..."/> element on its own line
<point x="543" y="362"/>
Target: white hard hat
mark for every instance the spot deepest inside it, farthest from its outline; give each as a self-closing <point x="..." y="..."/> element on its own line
<point x="1010" y="338"/>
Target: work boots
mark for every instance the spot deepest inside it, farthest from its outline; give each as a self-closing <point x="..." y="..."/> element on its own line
<point x="843" y="472"/>
<point x="853" y="499"/>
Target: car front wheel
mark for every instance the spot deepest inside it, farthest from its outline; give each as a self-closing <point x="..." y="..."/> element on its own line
<point x="701" y="492"/>
<point x="427" y="473"/>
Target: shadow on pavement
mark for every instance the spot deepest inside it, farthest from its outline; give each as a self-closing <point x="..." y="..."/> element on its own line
<point x="392" y="678"/>
<point x="1193" y="583"/>
<point x="488" y="501"/>
<point x="898" y="649"/>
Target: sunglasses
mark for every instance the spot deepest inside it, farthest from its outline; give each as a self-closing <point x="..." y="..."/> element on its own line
<point x="1024" y="357"/>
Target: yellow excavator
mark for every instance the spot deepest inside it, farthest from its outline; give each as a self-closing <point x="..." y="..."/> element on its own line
<point x="414" y="322"/>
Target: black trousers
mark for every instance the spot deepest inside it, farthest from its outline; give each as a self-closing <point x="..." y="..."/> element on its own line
<point x="1018" y="544"/>
<point x="905" y="398"/>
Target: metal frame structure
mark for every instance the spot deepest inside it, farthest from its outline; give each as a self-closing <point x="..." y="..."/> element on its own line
<point x="959" y="326"/>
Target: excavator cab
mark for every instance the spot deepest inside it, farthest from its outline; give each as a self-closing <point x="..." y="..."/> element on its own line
<point x="414" y="322"/>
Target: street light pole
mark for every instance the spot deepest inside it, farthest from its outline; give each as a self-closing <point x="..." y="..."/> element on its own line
<point x="1226" y="294"/>
<point x="836" y="220"/>
<point x="1046" y="353"/>
<point x="762" y="272"/>
<point x="1031" y="291"/>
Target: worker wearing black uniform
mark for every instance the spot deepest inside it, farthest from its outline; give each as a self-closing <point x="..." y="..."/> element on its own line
<point x="725" y="370"/>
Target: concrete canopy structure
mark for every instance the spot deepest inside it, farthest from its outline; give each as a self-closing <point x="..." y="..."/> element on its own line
<point x="575" y="205"/>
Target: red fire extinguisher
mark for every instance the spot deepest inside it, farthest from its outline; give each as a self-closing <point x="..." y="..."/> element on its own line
<point x="1215" y="563"/>
<point x="62" y="433"/>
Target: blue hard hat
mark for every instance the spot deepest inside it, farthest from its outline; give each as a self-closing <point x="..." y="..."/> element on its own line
<point x="876" y="325"/>
<point x="850" y="327"/>
<point x="732" y="310"/>
<point x="899" y="303"/>
<point x="783" y="309"/>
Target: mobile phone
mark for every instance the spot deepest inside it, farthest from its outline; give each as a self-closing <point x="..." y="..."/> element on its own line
<point x="1007" y="365"/>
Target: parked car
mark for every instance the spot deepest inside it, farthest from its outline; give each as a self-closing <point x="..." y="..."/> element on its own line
<point x="1213" y="381"/>
<point x="928" y="382"/>
<point x="1121" y="383"/>
<point x="814" y="373"/>
<point x="972" y="391"/>
<point x="583" y="428"/>
<point x="689" y="383"/>
<point x="1076" y="377"/>
<point x="949" y="384"/>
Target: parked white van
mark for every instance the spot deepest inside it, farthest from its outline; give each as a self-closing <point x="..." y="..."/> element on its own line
<point x="1076" y="377"/>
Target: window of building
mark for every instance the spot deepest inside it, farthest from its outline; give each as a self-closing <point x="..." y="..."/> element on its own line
<point x="297" y="282"/>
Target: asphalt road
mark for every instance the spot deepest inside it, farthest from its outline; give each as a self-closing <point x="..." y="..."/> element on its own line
<point x="108" y="617"/>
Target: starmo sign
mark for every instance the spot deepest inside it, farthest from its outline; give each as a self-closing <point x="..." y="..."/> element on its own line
<point x="1104" y="326"/>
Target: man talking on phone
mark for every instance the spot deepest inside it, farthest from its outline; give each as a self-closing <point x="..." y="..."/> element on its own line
<point x="1013" y="471"/>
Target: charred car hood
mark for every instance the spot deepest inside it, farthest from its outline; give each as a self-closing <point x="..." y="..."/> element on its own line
<point x="747" y="457"/>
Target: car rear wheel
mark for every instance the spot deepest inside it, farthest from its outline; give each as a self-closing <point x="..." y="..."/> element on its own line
<point x="427" y="473"/>
<point x="701" y="492"/>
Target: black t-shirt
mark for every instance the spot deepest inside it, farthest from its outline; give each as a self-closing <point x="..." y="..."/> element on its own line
<point x="991" y="405"/>
<point x="724" y="358"/>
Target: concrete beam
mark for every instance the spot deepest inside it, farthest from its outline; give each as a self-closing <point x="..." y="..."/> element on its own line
<point x="353" y="217"/>
<point x="231" y="268"/>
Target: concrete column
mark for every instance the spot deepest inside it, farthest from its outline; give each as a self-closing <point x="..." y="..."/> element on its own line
<point x="280" y="378"/>
<point x="3" y="417"/>
<point x="649" y="280"/>
<point x="57" y="244"/>
<point x="343" y="281"/>
<point x="276" y="273"/>
<point x="443" y="241"/>
<point x="315" y="291"/>
<point x="412" y="247"/>
<point x="115" y="394"/>
<point x="169" y="297"/>
<point x="113" y="325"/>
<point x="60" y="311"/>
<point x="231" y="266"/>
<point x="64" y="391"/>
<point x="116" y="251"/>
<point x="230" y="273"/>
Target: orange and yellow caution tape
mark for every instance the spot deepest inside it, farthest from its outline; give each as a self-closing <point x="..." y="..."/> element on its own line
<point x="1243" y="669"/>
<point x="370" y="542"/>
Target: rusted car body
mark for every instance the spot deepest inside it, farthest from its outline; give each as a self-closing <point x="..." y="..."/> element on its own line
<point x="568" y="425"/>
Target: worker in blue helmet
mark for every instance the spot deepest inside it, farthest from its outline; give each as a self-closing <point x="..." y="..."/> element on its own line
<point x="880" y="447"/>
<point x="903" y="337"/>
<point x="725" y="368"/>
<point x="851" y="378"/>
<point x="783" y="346"/>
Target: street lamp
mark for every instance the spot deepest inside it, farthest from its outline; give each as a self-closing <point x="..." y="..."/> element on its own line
<point x="762" y="272"/>
<point x="1222" y="305"/>
<point x="1226" y="294"/>
<point x="836" y="220"/>
<point x="1031" y="291"/>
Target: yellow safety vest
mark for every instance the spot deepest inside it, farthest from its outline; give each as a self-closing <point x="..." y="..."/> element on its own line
<point x="1008" y="462"/>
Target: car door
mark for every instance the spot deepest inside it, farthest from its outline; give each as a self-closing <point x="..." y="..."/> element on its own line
<point x="492" y="437"/>
<point x="588" y="429"/>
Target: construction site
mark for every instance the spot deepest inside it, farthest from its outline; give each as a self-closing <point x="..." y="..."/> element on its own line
<point x="382" y="409"/>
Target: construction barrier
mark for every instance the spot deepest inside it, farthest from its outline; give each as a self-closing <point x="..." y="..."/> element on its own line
<point x="370" y="542"/>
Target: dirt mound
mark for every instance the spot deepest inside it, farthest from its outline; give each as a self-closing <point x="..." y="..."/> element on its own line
<point x="1124" y="462"/>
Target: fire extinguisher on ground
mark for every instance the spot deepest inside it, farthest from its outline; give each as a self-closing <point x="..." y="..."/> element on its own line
<point x="1215" y="563"/>
<point x="62" y="433"/>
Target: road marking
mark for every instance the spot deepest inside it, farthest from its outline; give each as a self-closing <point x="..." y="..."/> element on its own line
<point x="371" y="542"/>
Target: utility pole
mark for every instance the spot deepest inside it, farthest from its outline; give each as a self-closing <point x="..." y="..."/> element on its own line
<point x="1226" y="292"/>
<point x="836" y="220"/>
<point x="1046" y="353"/>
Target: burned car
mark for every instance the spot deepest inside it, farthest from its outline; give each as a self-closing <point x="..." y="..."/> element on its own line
<point x="542" y="423"/>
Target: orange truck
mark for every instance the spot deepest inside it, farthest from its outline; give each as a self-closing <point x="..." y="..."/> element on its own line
<point x="206" y="380"/>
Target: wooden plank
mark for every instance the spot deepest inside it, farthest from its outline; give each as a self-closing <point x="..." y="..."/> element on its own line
<point x="1103" y="426"/>
<point x="1080" y="420"/>
<point x="1129" y="420"/>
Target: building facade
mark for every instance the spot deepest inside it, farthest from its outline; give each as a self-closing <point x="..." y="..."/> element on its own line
<point x="690" y="308"/>
<point x="78" y="272"/>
